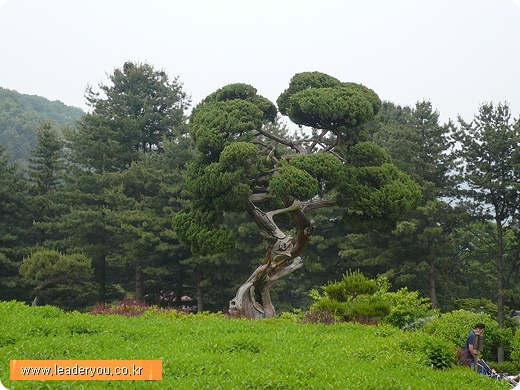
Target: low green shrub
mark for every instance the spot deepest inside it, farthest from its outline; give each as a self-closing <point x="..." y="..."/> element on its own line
<point x="370" y="309"/>
<point x="512" y="368"/>
<point x="407" y="307"/>
<point x="440" y="354"/>
<point x="326" y="304"/>
<point x="296" y="315"/>
<point x="455" y="326"/>
<point x="360" y="299"/>
<point x="436" y="352"/>
<point x="353" y="283"/>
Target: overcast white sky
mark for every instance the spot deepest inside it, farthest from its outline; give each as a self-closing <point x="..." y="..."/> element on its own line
<point x="455" y="53"/>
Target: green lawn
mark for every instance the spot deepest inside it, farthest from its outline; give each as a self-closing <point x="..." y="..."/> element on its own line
<point x="214" y="352"/>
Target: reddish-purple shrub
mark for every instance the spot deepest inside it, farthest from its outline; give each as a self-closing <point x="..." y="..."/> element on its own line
<point x="366" y="320"/>
<point x="130" y="308"/>
<point x="320" y="316"/>
<point x="461" y="359"/>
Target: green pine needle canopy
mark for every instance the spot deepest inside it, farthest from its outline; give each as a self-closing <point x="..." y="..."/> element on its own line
<point x="247" y="162"/>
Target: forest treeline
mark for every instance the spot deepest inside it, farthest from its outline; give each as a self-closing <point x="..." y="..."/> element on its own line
<point x="86" y="211"/>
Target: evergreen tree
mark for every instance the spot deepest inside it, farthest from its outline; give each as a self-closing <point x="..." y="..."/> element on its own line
<point x="45" y="173"/>
<point x="15" y="221"/>
<point x="135" y="113"/>
<point x="104" y="206"/>
<point x="142" y="201"/>
<point x="82" y="223"/>
<point x="46" y="160"/>
<point x="45" y="269"/>
<point x="417" y="252"/>
<point x="488" y="180"/>
<point x="238" y="171"/>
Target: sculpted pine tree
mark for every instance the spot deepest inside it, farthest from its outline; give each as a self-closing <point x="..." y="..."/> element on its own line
<point x="245" y="167"/>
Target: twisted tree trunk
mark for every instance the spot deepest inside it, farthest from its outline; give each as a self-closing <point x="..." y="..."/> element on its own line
<point x="253" y="299"/>
<point x="37" y="290"/>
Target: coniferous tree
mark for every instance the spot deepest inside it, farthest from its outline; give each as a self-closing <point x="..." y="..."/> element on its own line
<point x="45" y="173"/>
<point x="142" y="201"/>
<point x="417" y="252"/>
<point x="15" y="221"/>
<point x="131" y="119"/>
<point x="46" y="160"/>
<point x="237" y="170"/>
<point x="46" y="269"/>
<point x="135" y="113"/>
<point x="82" y="224"/>
<point x="487" y="178"/>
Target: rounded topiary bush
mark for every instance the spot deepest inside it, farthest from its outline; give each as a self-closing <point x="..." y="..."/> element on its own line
<point x="327" y="305"/>
<point x="369" y="310"/>
<point x="358" y="298"/>
<point x="455" y="326"/>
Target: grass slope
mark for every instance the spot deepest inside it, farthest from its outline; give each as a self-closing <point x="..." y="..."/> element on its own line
<point x="214" y="352"/>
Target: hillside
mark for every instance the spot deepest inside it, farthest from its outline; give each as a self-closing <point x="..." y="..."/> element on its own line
<point x="210" y="351"/>
<point x="20" y="116"/>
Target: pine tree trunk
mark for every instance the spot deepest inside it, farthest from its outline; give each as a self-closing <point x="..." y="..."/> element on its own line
<point x="253" y="299"/>
<point x="102" y="279"/>
<point x="500" y="297"/>
<point x="199" y="295"/>
<point x="37" y="290"/>
<point x="139" y="281"/>
<point x="433" y="285"/>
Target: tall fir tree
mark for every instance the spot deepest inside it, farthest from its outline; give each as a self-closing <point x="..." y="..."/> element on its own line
<point x="488" y="181"/>
<point x="131" y="120"/>
<point x="46" y="160"/>
<point x="16" y="216"/>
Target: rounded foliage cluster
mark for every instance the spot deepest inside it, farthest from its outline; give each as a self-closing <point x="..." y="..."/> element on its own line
<point x="367" y="154"/>
<point x="221" y="123"/>
<point x="407" y="307"/>
<point x="49" y="264"/>
<point x="293" y="181"/>
<point x="240" y="91"/>
<point x="377" y="195"/>
<point x="203" y="231"/>
<point x="321" y="101"/>
<point x="324" y="167"/>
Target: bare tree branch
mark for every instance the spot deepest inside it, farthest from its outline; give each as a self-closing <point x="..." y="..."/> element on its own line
<point x="284" y="141"/>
